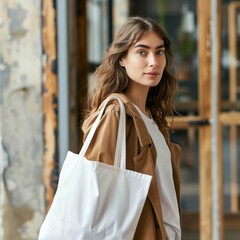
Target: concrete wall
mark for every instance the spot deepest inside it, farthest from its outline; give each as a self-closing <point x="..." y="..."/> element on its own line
<point x="21" y="133"/>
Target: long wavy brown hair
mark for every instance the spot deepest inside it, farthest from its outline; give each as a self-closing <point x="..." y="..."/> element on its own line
<point x="110" y="77"/>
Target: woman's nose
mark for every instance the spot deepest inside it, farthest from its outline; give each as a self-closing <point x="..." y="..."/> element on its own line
<point x="152" y="60"/>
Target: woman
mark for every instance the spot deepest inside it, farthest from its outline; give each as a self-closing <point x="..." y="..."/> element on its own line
<point x="136" y="68"/>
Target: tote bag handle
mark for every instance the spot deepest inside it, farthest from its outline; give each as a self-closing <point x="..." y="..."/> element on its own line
<point x="120" y="152"/>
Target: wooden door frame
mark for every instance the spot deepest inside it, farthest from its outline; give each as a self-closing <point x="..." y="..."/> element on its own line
<point x="50" y="101"/>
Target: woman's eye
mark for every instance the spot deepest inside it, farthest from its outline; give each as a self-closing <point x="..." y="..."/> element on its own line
<point x="141" y="52"/>
<point x="161" y="52"/>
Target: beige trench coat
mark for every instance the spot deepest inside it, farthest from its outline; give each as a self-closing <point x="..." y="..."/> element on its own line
<point x="141" y="157"/>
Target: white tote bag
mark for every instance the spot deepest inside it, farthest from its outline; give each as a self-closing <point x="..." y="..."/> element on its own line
<point x="94" y="200"/>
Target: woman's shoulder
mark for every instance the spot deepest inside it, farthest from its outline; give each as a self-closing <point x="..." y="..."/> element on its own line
<point x="111" y="113"/>
<point x="113" y="105"/>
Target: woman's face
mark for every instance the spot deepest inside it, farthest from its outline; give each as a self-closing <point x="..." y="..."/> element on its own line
<point x="145" y="61"/>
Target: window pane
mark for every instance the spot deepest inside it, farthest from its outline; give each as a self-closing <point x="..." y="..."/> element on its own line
<point x="231" y="56"/>
<point x="231" y="166"/>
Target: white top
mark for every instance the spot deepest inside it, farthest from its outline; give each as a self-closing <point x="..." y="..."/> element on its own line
<point x="167" y="193"/>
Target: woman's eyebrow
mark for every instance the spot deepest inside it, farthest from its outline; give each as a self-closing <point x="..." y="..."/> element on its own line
<point x="147" y="47"/>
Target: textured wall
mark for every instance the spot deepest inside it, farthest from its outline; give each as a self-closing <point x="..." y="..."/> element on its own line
<point x="21" y="134"/>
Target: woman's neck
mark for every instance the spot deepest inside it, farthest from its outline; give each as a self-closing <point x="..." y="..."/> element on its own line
<point x="138" y="98"/>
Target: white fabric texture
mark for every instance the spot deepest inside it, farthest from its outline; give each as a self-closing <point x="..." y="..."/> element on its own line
<point x="165" y="182"/>
<point x="95" y="200"/>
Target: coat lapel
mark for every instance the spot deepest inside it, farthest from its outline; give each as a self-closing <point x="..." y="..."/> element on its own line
<point x="148" y="167"/>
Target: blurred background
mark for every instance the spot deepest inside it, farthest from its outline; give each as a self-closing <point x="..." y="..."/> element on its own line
<point x="48" y="52"/>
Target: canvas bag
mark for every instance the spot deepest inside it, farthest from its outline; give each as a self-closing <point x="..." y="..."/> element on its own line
<point x="95" y="200"/>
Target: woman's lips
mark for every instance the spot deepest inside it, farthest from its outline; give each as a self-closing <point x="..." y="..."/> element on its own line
<point x="152" y="73"/>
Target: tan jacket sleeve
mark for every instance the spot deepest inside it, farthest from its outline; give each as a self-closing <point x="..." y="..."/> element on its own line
<point x="103" y="144"/>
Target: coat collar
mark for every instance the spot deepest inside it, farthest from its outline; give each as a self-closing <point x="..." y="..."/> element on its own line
<point x="141" y="129"/>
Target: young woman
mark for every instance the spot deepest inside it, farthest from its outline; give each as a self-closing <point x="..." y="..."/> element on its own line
<point x="136" y="69"/>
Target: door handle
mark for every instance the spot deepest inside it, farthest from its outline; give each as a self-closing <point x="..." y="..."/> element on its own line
<point x="199" y="123"/>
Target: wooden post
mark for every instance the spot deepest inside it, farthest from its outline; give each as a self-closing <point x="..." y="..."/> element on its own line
<point x="206" y="182"/>
<point x="204" y="50"/>
<point x="50" y="101"/>
<point x="220" y="136"/>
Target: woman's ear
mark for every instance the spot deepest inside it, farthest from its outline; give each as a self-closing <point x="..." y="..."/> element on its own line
<point x="121" y="62"/>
